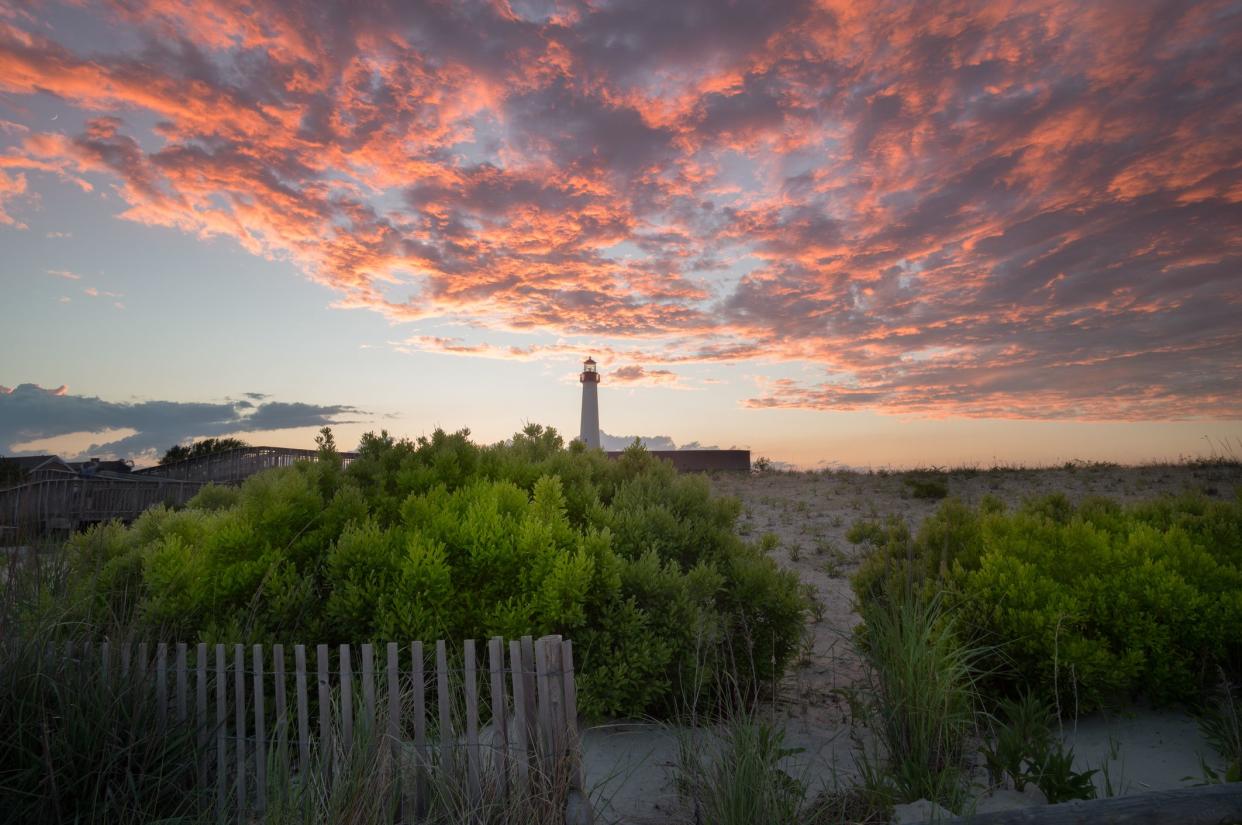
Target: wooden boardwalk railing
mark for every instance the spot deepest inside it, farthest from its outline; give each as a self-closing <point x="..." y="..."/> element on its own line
<point x="235" y="465"/>
<point x="380" y="698"/>
<point x="68" y="503"/>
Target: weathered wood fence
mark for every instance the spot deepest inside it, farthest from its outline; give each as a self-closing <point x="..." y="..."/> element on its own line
<point x="255" y="708"/>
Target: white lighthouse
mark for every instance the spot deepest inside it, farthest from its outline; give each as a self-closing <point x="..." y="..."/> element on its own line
<point x="590" y="404"/>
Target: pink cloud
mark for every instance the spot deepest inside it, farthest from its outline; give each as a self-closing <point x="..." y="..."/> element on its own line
<point x="1022" y="209"/>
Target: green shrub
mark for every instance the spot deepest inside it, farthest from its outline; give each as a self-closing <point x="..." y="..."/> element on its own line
<point x="441" y="538"/>
<point x="1089" y="603"/>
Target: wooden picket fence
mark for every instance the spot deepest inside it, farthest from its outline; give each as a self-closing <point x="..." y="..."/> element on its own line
<point x="532" y="728"/>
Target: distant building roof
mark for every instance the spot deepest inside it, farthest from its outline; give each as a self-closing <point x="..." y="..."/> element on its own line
<point x="31" y="463"/>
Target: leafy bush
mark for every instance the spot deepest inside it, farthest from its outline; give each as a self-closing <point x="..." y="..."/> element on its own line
<point x="441" y="538"/>
<point x="1087" y="602"/>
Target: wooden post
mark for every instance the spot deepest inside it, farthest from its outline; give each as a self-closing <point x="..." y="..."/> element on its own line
<point x="521" y="721"/>
<point x="473" y="757"/>
<point x="531" y="694"/>
<point x="347" y="703"/>
<point x="446" y="719"/>
<point x="500" y="721"/>
<point x="325" y="714"/>
<point x="239" y="693"/>
<point x="260" y="736"/>
<point x="299" y="668"/>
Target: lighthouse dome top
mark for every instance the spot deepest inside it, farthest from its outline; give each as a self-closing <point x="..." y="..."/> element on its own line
<point x="589" y="360"/>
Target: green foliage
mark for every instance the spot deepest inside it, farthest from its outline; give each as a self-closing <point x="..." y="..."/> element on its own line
<point x="1089" y="602"/>
<point x="207" y="446"/>
<point x="441" y="538"/>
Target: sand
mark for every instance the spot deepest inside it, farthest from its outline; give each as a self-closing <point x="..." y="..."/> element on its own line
<point x="630" y="765"/>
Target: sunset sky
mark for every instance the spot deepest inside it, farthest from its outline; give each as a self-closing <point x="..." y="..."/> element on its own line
<point x="868" y="234"/>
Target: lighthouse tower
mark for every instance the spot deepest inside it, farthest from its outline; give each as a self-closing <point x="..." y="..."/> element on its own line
<point x="590" y="404"/>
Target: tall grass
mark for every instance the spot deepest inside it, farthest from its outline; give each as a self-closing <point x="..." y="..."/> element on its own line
<point x="81" y="746"/>
<point x="921" y="700"/>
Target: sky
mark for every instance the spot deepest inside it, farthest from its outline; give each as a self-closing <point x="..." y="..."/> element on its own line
<point x="834" y="233"/>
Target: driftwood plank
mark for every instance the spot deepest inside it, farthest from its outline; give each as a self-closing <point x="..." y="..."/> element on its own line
<point x="1206" y="805"/>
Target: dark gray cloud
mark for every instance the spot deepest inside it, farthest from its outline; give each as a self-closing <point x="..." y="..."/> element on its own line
<point x="29" y="412"/>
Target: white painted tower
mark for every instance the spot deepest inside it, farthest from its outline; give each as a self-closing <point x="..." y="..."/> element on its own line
<point x="590" y="404"/>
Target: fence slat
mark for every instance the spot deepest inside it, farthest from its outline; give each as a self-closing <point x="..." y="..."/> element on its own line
<point x="570" y="687"/>
<point x="500" y="721"/>
<point x="556" y="696"/>
<point x="282" y="711"/>
<point x="200" y="709"/>
<point x="520" y="719"/>
<point x="325" y="714"/>
<point x="418" y="697"/>
<point x="222" y="710"/>
<point x="260" y="737"/>
<point x="347" y="702"/>
<point x="473" y="757"/>
<point x="394" y="705"/>
<point x="239" y="739"/>
<point x="161" y="684"/>
<point x="530" y="694"/>
<point x="545" y="705"/>
<point x="144" y="653"/>
<point x="126" y="654"/>
<point x="299" y="669"/>
<point x="105" y="661"/>
<point x="368" y="691"/>
<point x="182" y="684"/>
<point x="442" y="696"/>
